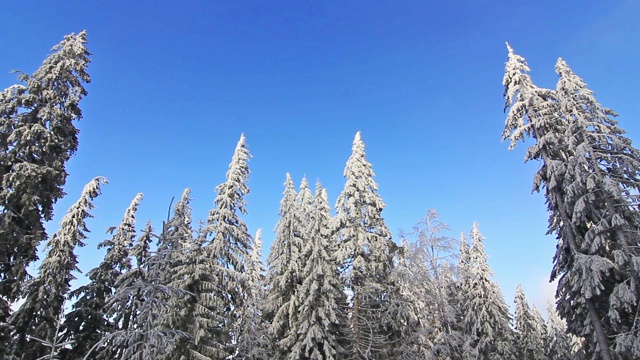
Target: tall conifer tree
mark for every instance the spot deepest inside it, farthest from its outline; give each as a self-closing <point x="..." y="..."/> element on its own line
<point x="561" y="345"/>
<point x="284" y="276"/>
<point x="319" y="327"/>
<point x="253" y="340"/>
<point x="365" y="250"/>
<point x="230" y="245"/>
<point x="87" y="322"/>
<point x="37" y="138"/>
<point x="147" y="335"/>
<point x="37" y="319"/>
<point x="529" y="334"/>
<point x="485" y="315"/>
<point x="590" y="176"/>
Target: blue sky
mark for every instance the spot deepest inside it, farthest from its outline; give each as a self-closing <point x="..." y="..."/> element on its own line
<point x="174" y="86"/>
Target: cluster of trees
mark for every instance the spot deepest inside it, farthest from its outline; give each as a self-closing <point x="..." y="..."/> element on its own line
<point x="335" y="284"/>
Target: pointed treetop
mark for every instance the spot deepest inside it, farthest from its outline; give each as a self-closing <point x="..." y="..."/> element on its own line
<point x="509" y="48"/>
<point x="562" y="68"/>
<point x="288" y="182"/>
<point x="186" y="193"/>
<point x="358" y="136"/>
<point x="304" y="184"/>
<point x="568" y="81"/>
<point x="257" y="241"/>
<point x="72" y="226"/>
<point x="240" y="157"/>
<point x="475" y="233"/>
<point x="305" y="192"/>
<point x="358" y="144"/>
<point x="255" y="267"/>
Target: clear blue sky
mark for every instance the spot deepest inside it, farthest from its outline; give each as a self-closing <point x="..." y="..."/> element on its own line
<point x="174" y="85"/>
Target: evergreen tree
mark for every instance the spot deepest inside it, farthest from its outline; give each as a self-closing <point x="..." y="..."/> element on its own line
<point x="193" y="310"/>
<point x="87" y="322"/>
<point x="306" y="211"/>
<point x="318" y="329"/>
<point x="253" y="340"/>
<point x="529" y="334"/>
<point x="173" y="250"/>
<point x="561" y="345"/>
<point x="485" y="315"/>
<point x="605" y="181"/>
<point x="123" y="307"/>
<point x="366" y="253"/>
<point x="37" y="319"/>
<point x="589" y="172"/>
<point x="37" y="137"/>
<point x="147" y="336"/>
<point x="285" y="268"/>
<point x="230" y="245"/>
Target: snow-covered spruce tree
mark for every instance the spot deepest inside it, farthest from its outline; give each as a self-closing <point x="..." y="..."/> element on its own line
<point x="174" y="250"/>
<point x="37" y="137"/>
<point x="284" y="271"/>
<point x="540" y="326"/>
<point x="529" y="333"/>
<point x="147" y="336"/>
<point x="604" y="194"/>
<point x="122" y="308"/>
<point x="56" y="346"/>
<point x="87" y="322"/>
<point x="589" y="173"/>
<point x="318" y="329"/>
<point x="191" y="310"/>
<point x="484" y="314"/>
<point x="561" y="345"/>
<point x="229" y="247"/>
<point x="306" y="209"/>
<point x="38" y="317"/>
<point x="253" y="341"/>
<point x="366" y="253"/>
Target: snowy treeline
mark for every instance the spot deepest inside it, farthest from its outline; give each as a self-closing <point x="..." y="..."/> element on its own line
<point x="335" y="284"/>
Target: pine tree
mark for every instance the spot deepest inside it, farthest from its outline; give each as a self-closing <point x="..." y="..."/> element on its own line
<point x="485" y="315"/>
<point x="284" y="274"/>
<point x="230" y="244"/>
<point x="87" y="322"/>
<point x="529" y="335"/>
<point x="253" y="341"/>
<point x="366" y="253"/>
<point x="589" y="173"/>
<point x="37" y="138"/>
<point x="318" y="329"/>
<point x="37" y="319"/>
